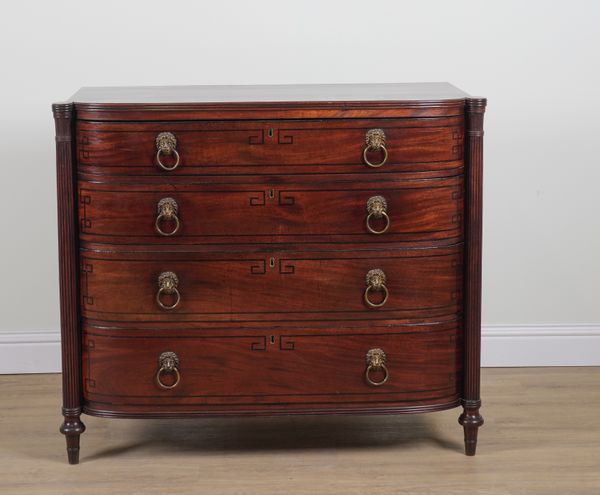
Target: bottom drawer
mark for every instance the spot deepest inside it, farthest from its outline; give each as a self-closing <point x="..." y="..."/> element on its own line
<point x="163" y="370"/>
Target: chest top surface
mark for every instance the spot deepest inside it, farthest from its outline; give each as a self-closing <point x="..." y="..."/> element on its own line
<point x="391" y="92"/>
<point x="304" y="101"/>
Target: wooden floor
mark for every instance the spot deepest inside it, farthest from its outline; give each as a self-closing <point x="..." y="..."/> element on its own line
<point x="541" y="436"/>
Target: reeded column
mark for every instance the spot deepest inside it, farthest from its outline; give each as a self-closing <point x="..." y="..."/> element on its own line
<point x="72" y="426"/>
<point x="470" y="419"/>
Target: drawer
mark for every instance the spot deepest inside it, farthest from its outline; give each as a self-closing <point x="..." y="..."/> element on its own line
<point x="267" y="286"/>
<point x="341" y="211"/>
<point x="261" y="147"/>
<point x="262" y="366"/>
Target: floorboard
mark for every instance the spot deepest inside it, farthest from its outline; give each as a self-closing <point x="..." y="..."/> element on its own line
<point x="541" y="436"/>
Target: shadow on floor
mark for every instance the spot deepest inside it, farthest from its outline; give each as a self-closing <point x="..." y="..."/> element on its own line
<point x="280" y="434"/>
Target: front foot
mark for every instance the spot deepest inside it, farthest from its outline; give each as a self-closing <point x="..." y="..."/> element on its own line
<point x="471" y="420"/>
<point x="72" y="428"/>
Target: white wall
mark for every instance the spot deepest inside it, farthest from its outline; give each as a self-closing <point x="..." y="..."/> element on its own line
<point x="537" y="62"/>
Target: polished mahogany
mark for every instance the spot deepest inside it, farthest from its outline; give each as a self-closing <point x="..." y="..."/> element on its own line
<point x="255" y="250"/>
<point x="275" y="211"/>
<point x="298" y="285"/>
<point x="273" y="147"/>
<point x="312" y="366"/>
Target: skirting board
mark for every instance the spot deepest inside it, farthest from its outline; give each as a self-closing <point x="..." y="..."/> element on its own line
<point x="502" y="345"/>
<point x="35" y="351"/>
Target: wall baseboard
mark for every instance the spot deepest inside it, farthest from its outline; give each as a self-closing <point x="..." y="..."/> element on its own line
<point x="30" y="351"/>
<point x="38" y="351"/>
<point x="540" y="345"/>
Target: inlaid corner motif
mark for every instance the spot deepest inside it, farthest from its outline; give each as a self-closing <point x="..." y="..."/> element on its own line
<point x="82" y="146"/>
<point x="258" y="137"/>
<point x="457" y="143"/>
<point x="261" y="198"/>
<point x="84" y="200"/>
<point x="86" y="269"/>
<point x="260" y="267"/>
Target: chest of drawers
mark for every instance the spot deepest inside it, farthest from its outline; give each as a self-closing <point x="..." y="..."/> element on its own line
<point x="269" y="250"/>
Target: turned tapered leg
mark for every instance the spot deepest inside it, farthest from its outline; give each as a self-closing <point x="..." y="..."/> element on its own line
<point x="471" y="420"/>
<point x="72" y="428"/>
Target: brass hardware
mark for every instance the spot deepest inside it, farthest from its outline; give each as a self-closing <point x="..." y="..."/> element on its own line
<point x="376" y="360"/>
<point x="376" y="282"/>
<point x="168" y="362"/>
<point x="272" y="339"/>
<point x="165" y="145"/>
<point x="271" y="262"/>
<point x="167" y="284"/>
<point x="377" y="208"/>
<point x="270" y="132"/>
<point x="167" y="209"/>
<point x="375" y="141"/>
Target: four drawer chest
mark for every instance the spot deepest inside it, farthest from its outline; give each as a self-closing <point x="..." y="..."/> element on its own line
<point x="264" y="250"/>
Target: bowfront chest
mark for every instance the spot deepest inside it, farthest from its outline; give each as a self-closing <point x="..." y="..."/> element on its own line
<point x="262" y="250"/>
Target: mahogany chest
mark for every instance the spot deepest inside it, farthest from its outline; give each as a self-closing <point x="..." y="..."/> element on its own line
<point x="262" y="250"/>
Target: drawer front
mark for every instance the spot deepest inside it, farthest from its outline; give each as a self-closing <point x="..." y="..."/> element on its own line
<point x="266" y="286"/>
<point x="261" y="147"/>
<point x="406" y="210"/>
<point x="236" y="367"/>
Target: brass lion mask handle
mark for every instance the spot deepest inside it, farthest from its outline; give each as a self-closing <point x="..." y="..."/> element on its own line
<point x="166" y="145"/>
<point x="167" y="285"/>
<point x="168" y="364"/>
<point x="375" y="141"/>
<point x="376" y="209"/>
<point x="375" y="280"/>
<point x="376" y="360"/>
<point x="167" y="209"/>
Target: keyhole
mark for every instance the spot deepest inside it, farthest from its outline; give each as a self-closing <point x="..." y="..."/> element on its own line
<point x="271" y="262"/>
<point x="270" y="133"/>
<point x="272" y="339"/>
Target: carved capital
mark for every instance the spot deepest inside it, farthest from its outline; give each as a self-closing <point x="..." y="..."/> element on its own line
<point x="476" y="104"/>
<point x="62" y="110"/>
<point x="63" y="120"/>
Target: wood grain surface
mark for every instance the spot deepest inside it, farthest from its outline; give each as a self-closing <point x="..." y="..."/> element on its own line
<point x="273" y="212"/>
<point x="277" y="147"/>
<point x="277" y="368"/>
<point x="271" y="285"/>
<point x="270" y="101"/>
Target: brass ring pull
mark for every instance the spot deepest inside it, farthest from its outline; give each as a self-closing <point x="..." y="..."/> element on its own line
<point x="167" y="211"/>
<point x="377" y="208"/>
<point x="376" y="282"/>
<point x="161" y="384"/>
<point x="168" y="363"/>
<point x="375" y="141"/>
<point x="162" y="291"/>
<point x="165" y="145"/>
<point x="167" y="284"/>
<point x="376" y="359"/>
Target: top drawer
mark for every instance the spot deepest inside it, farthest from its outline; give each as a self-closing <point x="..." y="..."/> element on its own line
<point x="270" y="147"/>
